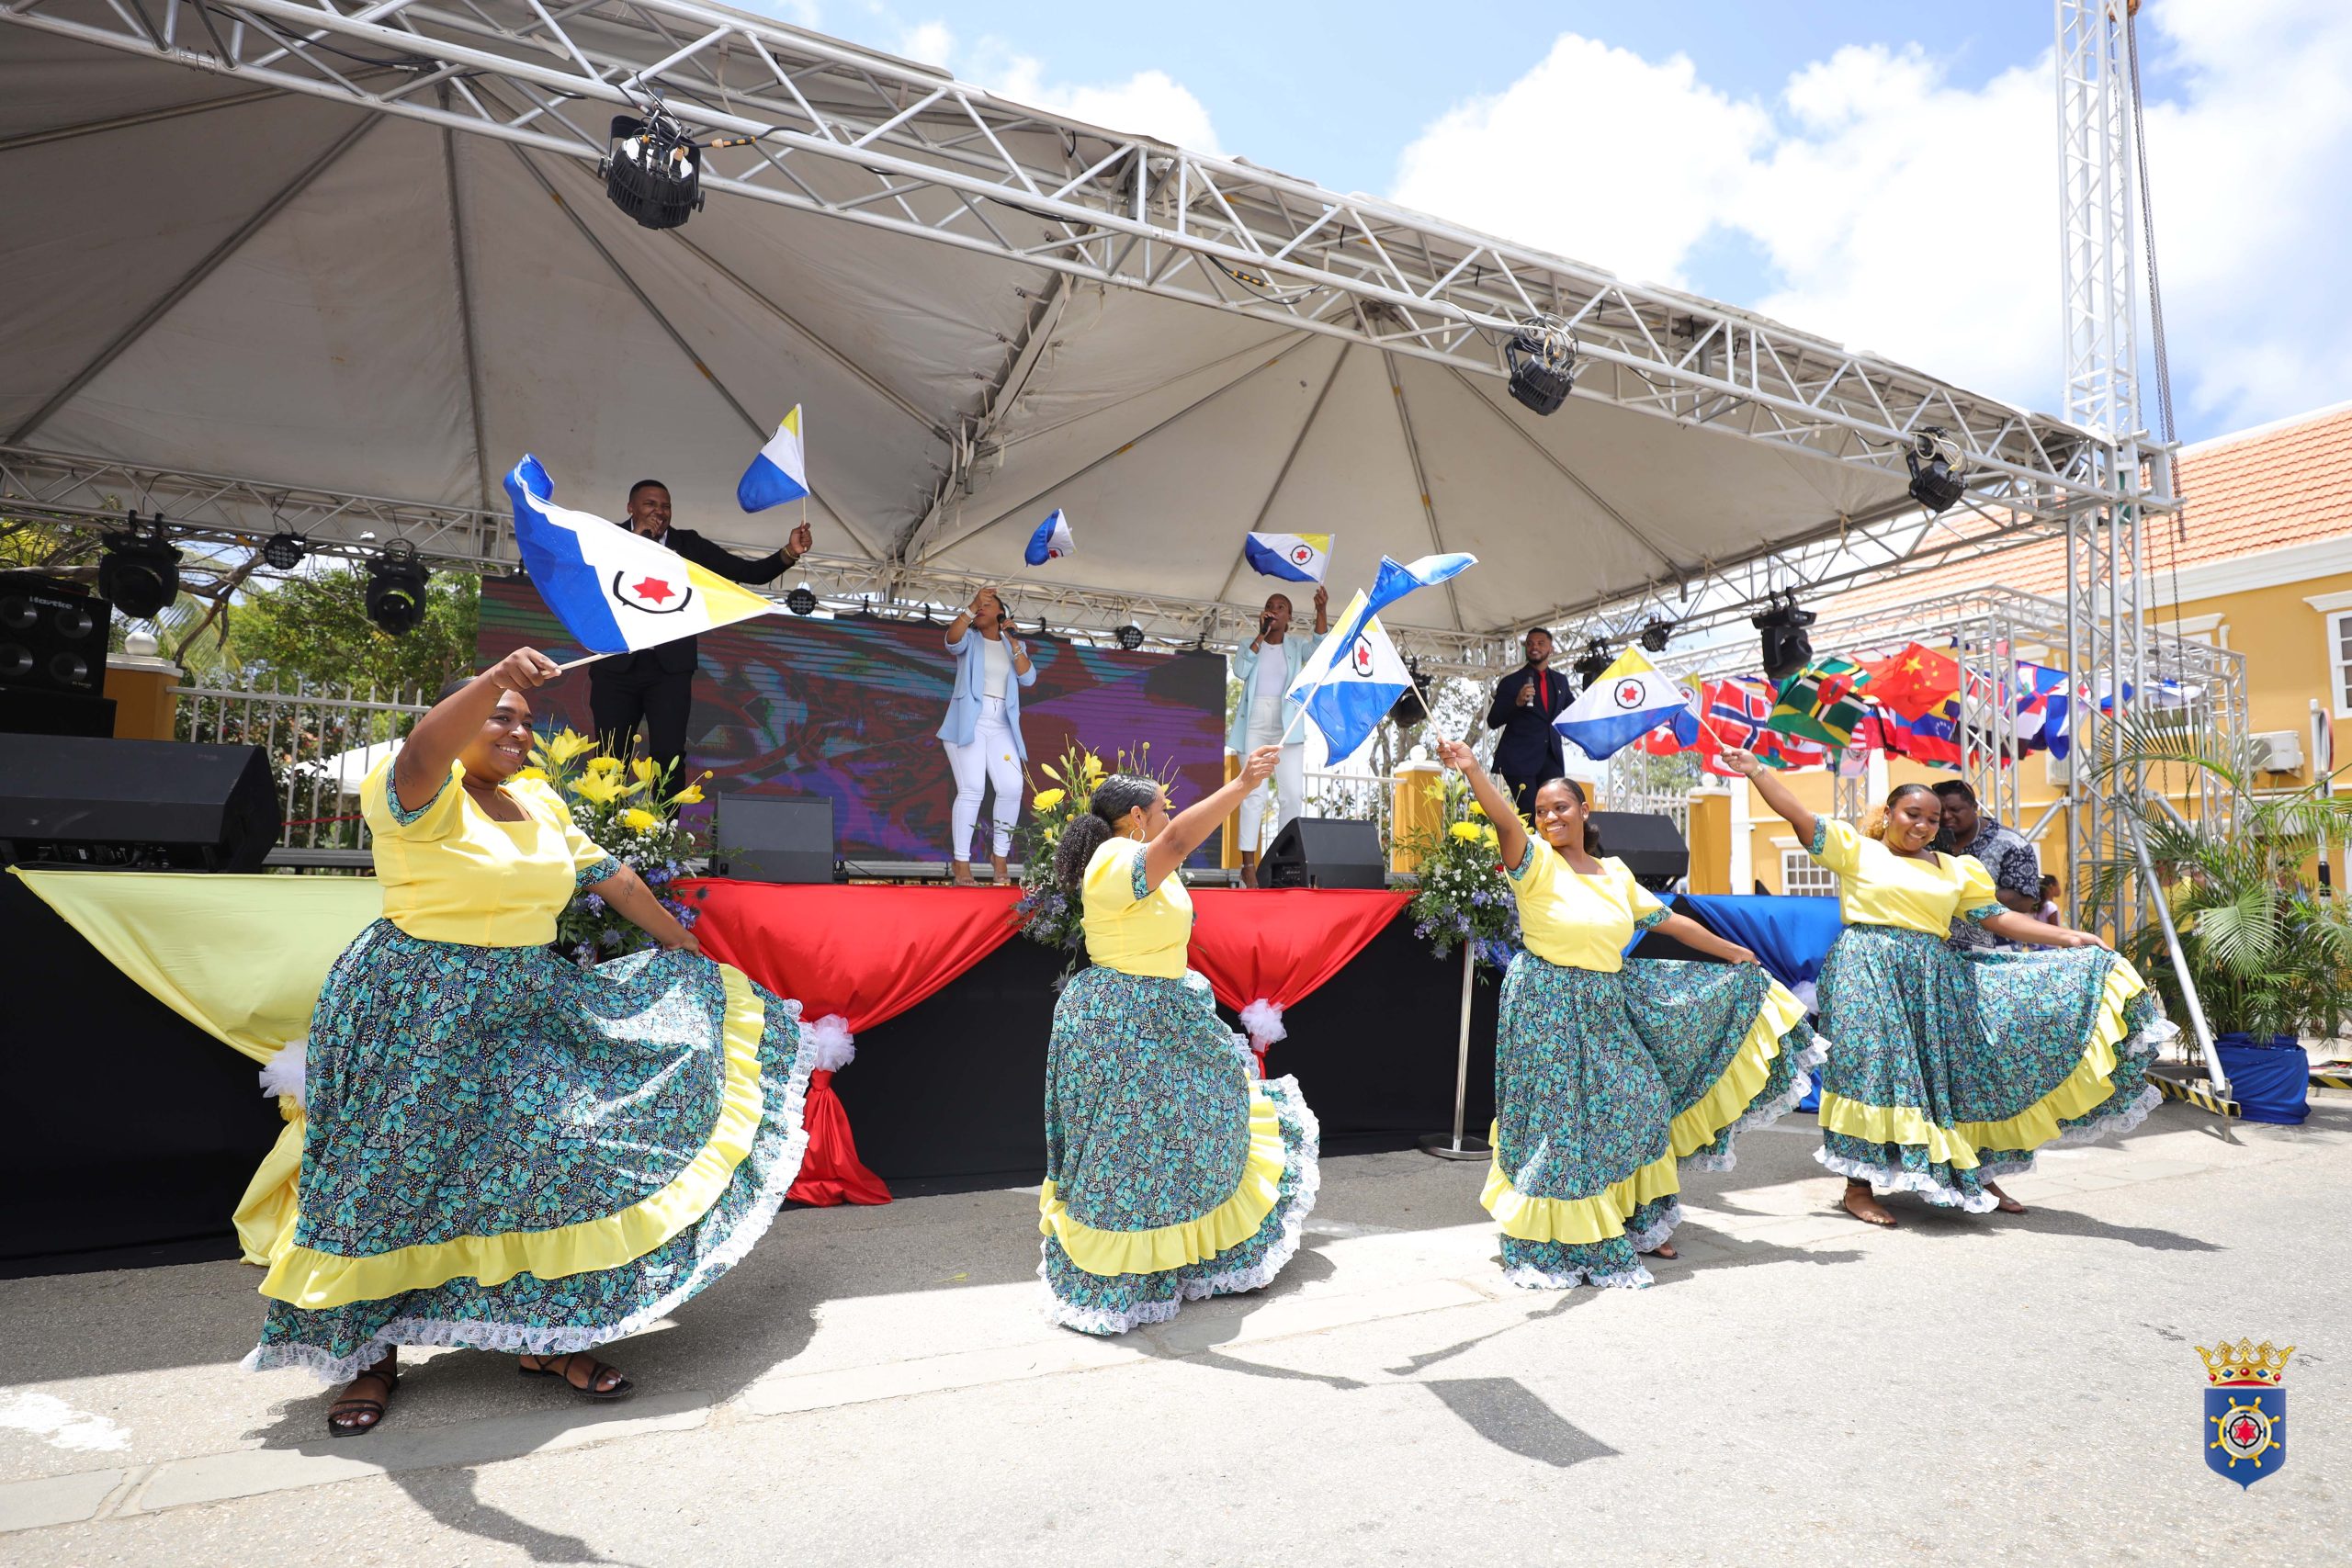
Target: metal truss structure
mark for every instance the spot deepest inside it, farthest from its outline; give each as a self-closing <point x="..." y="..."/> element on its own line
<point x="875" y="140"/>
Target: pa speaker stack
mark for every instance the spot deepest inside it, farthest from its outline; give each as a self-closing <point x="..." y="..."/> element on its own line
<point x="53" y="659"/>
<point x="1324" y="851"/>
<point x="135" y="804"/>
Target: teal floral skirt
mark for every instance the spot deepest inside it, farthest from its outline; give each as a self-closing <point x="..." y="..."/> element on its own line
<point x="1171" y="1172"/>
<point x="1948" y="1068"/>
<point x="1605" y="1083"/>
<point x="506" y="1152"/>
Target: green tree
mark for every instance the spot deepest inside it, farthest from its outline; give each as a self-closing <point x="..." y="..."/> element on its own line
<point x="315" y="628"/>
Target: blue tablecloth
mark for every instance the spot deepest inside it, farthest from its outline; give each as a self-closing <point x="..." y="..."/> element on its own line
<point x="1789" y="936"/>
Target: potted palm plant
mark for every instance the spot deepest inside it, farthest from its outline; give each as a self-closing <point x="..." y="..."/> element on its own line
<point x="2270" y="958"/>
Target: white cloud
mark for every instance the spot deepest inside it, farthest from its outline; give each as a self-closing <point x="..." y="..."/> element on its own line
<point x="1149" y="103"/>
<point x="1899" y="211"/>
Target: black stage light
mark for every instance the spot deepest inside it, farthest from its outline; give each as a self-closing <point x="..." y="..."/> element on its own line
<point x="396" y="588"/>
<point x="1932" y="459"/>
<point x="284" y="551"/>
<point x="1787" y="650"/>
<point x="1411" y="706"/>
<point x="1656" y="635"/>
<point x="653" y="170"/>
<point x="1595" y="663"/>
<point x="1130" y="637"/>
<point x="801" y="602"/>
<point x="140" y="574"/>
<point x="1543" y="367"/>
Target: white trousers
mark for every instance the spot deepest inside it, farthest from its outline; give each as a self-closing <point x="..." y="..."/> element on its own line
<point x="1285" y="792"/>
<point x="989" y="758"/>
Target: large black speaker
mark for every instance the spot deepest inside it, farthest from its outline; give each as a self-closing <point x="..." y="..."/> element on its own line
<point x="771" y="839"/>
<point x="135" y="804"/>
<point x="1324" y="851"/>
<point x="28" y="710"/>
<point x="1651" y="847"/>
<point x="52" y="637"/>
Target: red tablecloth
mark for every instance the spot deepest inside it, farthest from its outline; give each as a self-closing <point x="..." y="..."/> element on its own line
<point x="1264" y="950"/>
<point x="852" y="957"/>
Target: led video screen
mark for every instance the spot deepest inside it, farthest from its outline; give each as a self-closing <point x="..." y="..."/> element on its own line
<point x="849" y="710"/>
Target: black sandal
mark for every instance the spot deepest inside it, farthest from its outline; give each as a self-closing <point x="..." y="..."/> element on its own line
<point x="561" y="1366"/>
<point x="344" y="1417"/>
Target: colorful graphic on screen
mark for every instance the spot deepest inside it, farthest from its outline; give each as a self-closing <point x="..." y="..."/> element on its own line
<point x="849" y="710"/>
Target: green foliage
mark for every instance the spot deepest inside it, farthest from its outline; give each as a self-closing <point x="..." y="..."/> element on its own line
<point x="315" y="628"/>
<point x="2266" y="954"/>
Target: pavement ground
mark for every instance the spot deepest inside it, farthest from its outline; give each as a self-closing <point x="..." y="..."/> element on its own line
<point x="878" y="1386"/>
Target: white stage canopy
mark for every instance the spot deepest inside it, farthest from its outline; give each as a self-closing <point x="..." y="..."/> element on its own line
<point x="275" y="264"/>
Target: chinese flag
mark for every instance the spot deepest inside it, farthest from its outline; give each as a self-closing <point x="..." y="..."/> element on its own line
<point x="1915" y="683"/>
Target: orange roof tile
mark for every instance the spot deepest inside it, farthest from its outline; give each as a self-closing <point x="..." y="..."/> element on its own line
<point x="2275" y="485"/>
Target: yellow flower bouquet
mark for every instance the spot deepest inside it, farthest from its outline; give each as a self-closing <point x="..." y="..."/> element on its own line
<point x="630" y="809"/>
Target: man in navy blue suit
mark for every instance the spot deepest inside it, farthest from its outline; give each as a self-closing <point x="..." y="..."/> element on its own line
<point x="1526" y="701"/>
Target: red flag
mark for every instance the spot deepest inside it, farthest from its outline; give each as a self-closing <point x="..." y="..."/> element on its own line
<point x="1915" y="683"/>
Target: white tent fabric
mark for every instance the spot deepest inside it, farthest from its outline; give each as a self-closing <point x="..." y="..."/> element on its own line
<point x="426" y="306"/>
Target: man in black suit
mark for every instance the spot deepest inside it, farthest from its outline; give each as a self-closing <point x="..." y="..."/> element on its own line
<point x="656" y="684"/>
<point x="1526" y="701"/>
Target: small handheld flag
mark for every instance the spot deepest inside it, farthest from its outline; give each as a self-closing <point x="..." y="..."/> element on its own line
<point x="615" y="591"/>
<point x="1294" y="558"/>
<point x="1051" y="541"/>
<point x="1629" y="700"/>
<point x="1347" y="688"/>
<point x="780" y="472"/>
<point x="1392" y="582"/>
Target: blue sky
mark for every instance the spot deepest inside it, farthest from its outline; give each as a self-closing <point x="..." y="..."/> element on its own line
<point x="1884" y="173"/>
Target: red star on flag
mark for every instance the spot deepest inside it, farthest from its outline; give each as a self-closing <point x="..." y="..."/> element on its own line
<point x="653" y="588"/>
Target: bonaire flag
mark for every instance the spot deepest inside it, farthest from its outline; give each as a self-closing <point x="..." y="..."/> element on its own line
<point x="1052" y="540"/>
<point x="1631" y="699"/>
<point x="780" y="472"/>
<point x="1347" y="687"/>
<point x="1295" y="557"/>
<point x="615" y="591"/>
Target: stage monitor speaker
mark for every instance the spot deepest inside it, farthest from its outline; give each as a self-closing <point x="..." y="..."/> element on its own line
<point x="52" y="637"/>
<point x="135" y="804"/>
<point x="773" y="839"/>
<point x="1324" y="851"/>
<point x="1651" y="847"/>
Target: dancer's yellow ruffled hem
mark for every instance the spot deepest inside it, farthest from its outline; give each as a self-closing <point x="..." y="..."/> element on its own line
<point x="2091" y="1082"/>
<point x="305" y="1278"/>
<point x="1163" y="1248"/>
<point x="1751" y="1067"/>
<point x="1578" y="1221"/>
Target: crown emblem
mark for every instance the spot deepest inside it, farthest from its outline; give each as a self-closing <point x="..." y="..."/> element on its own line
<point x="2245" y="1365"/>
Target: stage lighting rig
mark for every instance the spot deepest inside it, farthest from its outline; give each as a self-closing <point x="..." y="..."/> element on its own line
<point x="652" y="169"/>
<point x="396" y="581"/>
<point x="1787" y="649"/>
<point x="139" y="572"/>
<point x="284" y="551"/>
<point x="1595" y="663"/>
<point x="1543" y="361"/>
<point x="1656" y="634"/>
<point x="1130" y="637"/>
<point x="800" y="601"/>
<point x="1934" y="460"/>
<point x="1411" y="706"/>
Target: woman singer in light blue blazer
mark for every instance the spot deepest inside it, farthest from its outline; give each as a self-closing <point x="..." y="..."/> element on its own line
<point x="983" y="730"/>
<point x="1265" y="716"/>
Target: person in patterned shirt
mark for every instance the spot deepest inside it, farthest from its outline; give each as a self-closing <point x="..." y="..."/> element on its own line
<point x="2015" y="868"/>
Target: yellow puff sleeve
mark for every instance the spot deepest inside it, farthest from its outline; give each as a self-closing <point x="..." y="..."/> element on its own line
<point x="1977" y="900"/>
<point x="1836" y="845"/>
<point x="387" y="818"/>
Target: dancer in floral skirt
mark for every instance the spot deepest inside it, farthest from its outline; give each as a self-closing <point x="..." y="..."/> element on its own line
<point x="1951" y="1067"/>
<point x="1611" y="1072"/>
<point x="503" y="1150"/>
<point x="1171" y="1172"/>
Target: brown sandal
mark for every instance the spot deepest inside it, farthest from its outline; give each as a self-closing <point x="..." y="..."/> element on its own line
<point x="353" y="1414"/>
<point x="561" y="1366"/>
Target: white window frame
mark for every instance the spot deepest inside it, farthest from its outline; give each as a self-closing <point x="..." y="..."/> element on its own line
<point x="2338" y="624"/>
<point x="1803" y="876"/>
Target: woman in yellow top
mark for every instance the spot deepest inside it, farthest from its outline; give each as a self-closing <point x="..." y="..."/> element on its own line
<point x="504" y="1151"/>
<point x="1171" y="1172"/>
<point x="1949" y="1068"/>
<point x="1611" y="1072"/>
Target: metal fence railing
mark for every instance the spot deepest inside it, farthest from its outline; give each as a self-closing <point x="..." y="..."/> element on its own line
<point x="321" y="742"/>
